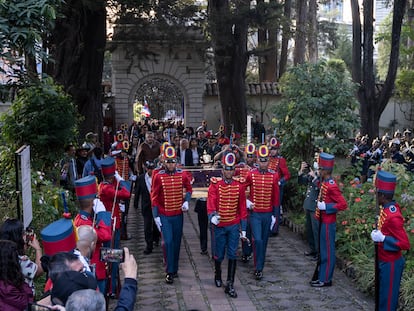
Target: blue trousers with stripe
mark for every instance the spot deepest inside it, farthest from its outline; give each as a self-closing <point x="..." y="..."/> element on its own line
<point x="172" y="232"/>
<point x="327" y="247"/>
<point x="390" y="274"/>
<point x="260" y="224"/>
<point x="225" y="239"/>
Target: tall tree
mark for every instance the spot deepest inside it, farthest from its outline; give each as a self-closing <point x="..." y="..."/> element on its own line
<point x="301" y="32"/>
<point x="78" y="45"/>
<point x="372" y="100"/>
<point x="286" y="34"/>
<point x="229" y="27"/>
<point x="313" y="31"/>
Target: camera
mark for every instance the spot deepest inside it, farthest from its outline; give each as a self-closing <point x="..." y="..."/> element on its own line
<point x="29" y="235"/>
<point x="112" y="255"/>
<point x="37" y="307"/>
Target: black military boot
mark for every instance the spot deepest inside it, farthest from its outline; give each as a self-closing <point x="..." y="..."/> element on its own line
<point x="231" y="271"/>
<point x="217" y="273"/>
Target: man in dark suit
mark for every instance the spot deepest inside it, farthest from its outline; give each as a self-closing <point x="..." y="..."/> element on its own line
<point x="143" y="190"/>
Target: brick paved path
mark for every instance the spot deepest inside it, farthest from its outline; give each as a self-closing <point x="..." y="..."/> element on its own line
<point x="285" y="285"/>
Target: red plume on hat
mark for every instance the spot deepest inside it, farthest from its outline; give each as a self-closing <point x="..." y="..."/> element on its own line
<point x="263" y="151"/>
<point x="250" y="150"/>
<point x="229" y="160"/>
<point x="164" y="145"/>
<point x="274" y="143"/>
<point x="169" y="154"/>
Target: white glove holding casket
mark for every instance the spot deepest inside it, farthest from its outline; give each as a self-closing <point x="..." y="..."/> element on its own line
<point x="377" y="236"/>
<point x="184" y="207"/>
<point x="243" y="235"/>
<point x="133" y="177"/>
<point x="249" y="204"/>
<point x="122" y="207"/>
<point x="158" y="223"/>
<point x="273" y="222"/>
<point x="322" y="206"/>
<point x="215" y="220"/>
<point x="118" y="177"/>
<point x="98" y="206"/>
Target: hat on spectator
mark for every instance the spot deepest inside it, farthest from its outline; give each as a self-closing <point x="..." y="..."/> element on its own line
<point x="326" y="161"/>
<point x="229" y="161"/>
<point x="108" y="167"/>
<point x="385" y="182"/>
<point x="69" y="282"/>
<point x="150" y="165"/>
<point x="90" y="135"/>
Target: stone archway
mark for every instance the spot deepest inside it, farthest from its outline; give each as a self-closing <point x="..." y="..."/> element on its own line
<point x="171" y="78"/>
<point x="165" y="98"/>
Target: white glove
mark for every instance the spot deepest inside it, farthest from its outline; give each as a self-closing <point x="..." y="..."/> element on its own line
<point x="322" y="206"/>
<point x="122" y="207"/>
<point x="133" y="177"/>
<point x="243" y="235"/>
<point x="184" y="207"/>
<point x="355" y="148"/>
<point x="273" y="222"/>
<point x="215" y="220"/>
<point x="278" y="183"/>
<point x="249" y="204"/>
<point x="98" y="206"/>
<point x="157" y="221"/>
<point x="118" y="177"/>
<point x="377" y="236"/>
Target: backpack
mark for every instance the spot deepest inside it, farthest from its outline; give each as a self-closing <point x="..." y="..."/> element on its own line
<point x="97" y="171"/>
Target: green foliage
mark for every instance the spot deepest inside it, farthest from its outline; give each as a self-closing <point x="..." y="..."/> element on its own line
<point x="343" y="49"/>
<point x="23" y="23"/>
<point x="404" y="85"/>
<point x="45" y="118"/>
<point x="318" y="109"/>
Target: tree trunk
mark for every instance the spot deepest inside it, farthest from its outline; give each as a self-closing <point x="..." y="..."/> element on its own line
<point x="300" y="35"/>
<point x="229" y="38"/>
<point x="356" y="42"/>
<point x="79" y="43"/>
<point x="285" y="37"/>
<point x="373" y="102"/>
<point x="313" y="32"/>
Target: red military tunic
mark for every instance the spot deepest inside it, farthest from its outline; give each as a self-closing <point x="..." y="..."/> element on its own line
<point x="228" y="200"/>
<point x="264" y="190"/>
<point x="391" y="224"/>
<point x="122" y="167"/>
<point x="167" y="191"/>
<point x="103" y="232"/>
<point x="278" y="164"/>
<point x="334" y="200"/>
<point x="106" y="193"/>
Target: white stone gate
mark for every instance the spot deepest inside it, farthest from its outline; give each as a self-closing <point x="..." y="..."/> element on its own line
<point x="170" y="76"/>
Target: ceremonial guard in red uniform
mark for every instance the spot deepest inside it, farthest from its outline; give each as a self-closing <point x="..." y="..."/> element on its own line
<point x="243" y="170"/>
<point x="93" y="213"/>
<point x="391" y="239"/>
<point x="263" y="202"/>
<point x="330" y="201"/>
<point x="111" y="191"/>
<point x="168" y="207"/>
<point x="123" y="169"/>
<point x="278" y="164"/>
<point x="226" y="208"/>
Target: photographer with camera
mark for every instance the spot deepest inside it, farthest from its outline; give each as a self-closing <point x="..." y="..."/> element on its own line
<point x="12" y="230"/>
<point x="308" y="176"/>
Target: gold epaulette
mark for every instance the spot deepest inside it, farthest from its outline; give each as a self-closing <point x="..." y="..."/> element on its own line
<point x="240" y="179"/>
<point x="215" y="180"/>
